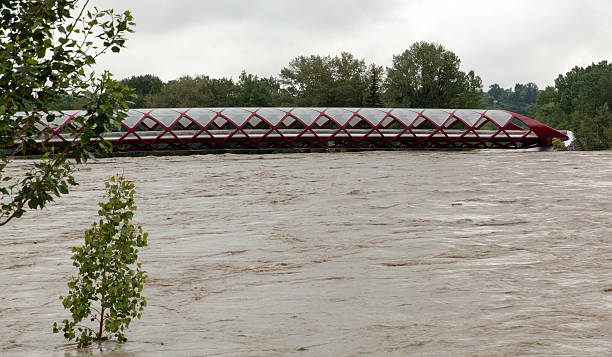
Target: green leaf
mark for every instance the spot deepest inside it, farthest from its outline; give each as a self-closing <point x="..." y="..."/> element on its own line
<point x="63" y="188"/>
<point x="51" y="68"/>
<point x="108" y="251"/>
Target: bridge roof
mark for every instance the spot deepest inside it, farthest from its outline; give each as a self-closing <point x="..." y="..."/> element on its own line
<point x="321" y="127"/>
<point x="273" y="116"/>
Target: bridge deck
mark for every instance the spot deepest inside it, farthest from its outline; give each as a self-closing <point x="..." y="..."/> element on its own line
<point x="344" y="134"/>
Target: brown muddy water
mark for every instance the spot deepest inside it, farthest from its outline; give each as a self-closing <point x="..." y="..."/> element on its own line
<point x="338" y="254"/>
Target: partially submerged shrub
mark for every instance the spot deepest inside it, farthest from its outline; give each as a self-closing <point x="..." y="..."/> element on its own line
<point x="109" y="275"/>
<point x="558" y="145"/>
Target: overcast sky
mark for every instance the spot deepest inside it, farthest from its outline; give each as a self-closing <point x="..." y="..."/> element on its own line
<point x="505" y="42"/>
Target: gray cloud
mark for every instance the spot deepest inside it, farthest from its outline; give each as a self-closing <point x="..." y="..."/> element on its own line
<point x="312" y="15"/>
<point x="504" y="42"/>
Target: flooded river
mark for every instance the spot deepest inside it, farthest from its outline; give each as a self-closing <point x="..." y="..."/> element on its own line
<point x="338" y="254"/>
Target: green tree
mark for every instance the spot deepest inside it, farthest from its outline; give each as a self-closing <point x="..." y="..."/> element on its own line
<point x="595" y="132"/>
<point x="142" y="86"/>
<point x="373" y="99"/>
<point x="585" y="89"/>
<point x="308" y="80"/>
<point x="47" y="49"/>
<point x="198" y="91"/>
<point x="547" y="109"/>
<point x="580" y="101"/>
<point x="349" y="83"/>
<point x="496" y="94"/>
<point x="68" y="102"/>
<point x="520" y="100"/>
<point x="252" y="91"/>
<point x="558" y="145"/>
<point x="338" y="81"/>
<point x="428" y="76"/>
<point x="109" y="275"/>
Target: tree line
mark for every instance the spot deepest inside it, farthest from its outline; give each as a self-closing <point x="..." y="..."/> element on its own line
<point x="580" y="101"/>
<point x="426" y="75"/>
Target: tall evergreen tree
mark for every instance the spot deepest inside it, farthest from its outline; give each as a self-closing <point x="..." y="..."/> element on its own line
<point x="373" y="99"/>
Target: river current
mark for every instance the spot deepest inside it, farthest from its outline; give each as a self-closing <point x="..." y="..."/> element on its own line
<point x="478" y="253"/>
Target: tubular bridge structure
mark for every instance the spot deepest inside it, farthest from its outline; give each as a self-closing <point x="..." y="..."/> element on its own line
<point x="208" y="129"/>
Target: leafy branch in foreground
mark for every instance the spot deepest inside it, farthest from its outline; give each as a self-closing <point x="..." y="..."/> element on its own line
<point x="46" y="55"/>
<point x="106" y="275"/>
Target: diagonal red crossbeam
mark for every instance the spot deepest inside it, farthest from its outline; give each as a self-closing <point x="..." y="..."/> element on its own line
<point x="366" y="128"/>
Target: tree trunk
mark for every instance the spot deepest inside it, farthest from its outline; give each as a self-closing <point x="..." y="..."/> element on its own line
<point x="101" y="323"/>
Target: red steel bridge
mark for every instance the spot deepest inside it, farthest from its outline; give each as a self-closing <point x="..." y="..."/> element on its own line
<point x="208" y="129"/>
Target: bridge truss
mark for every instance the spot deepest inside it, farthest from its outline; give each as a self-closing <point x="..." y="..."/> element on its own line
<point x="202" y="129"/>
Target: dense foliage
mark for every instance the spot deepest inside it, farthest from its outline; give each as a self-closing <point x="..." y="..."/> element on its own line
<point x="326" y="81"/>
<point x="47" y="49"/>
<point x="427" y="75"/>
<point x="521" y="100"/>
<point x="109" y="276"/>
<point x="142" y="86"/>
<point x="580" y="101"/>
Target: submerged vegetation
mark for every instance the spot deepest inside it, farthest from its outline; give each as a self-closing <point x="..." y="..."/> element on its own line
<point x="109" y="275"/>
<point x="47" y="50"/>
